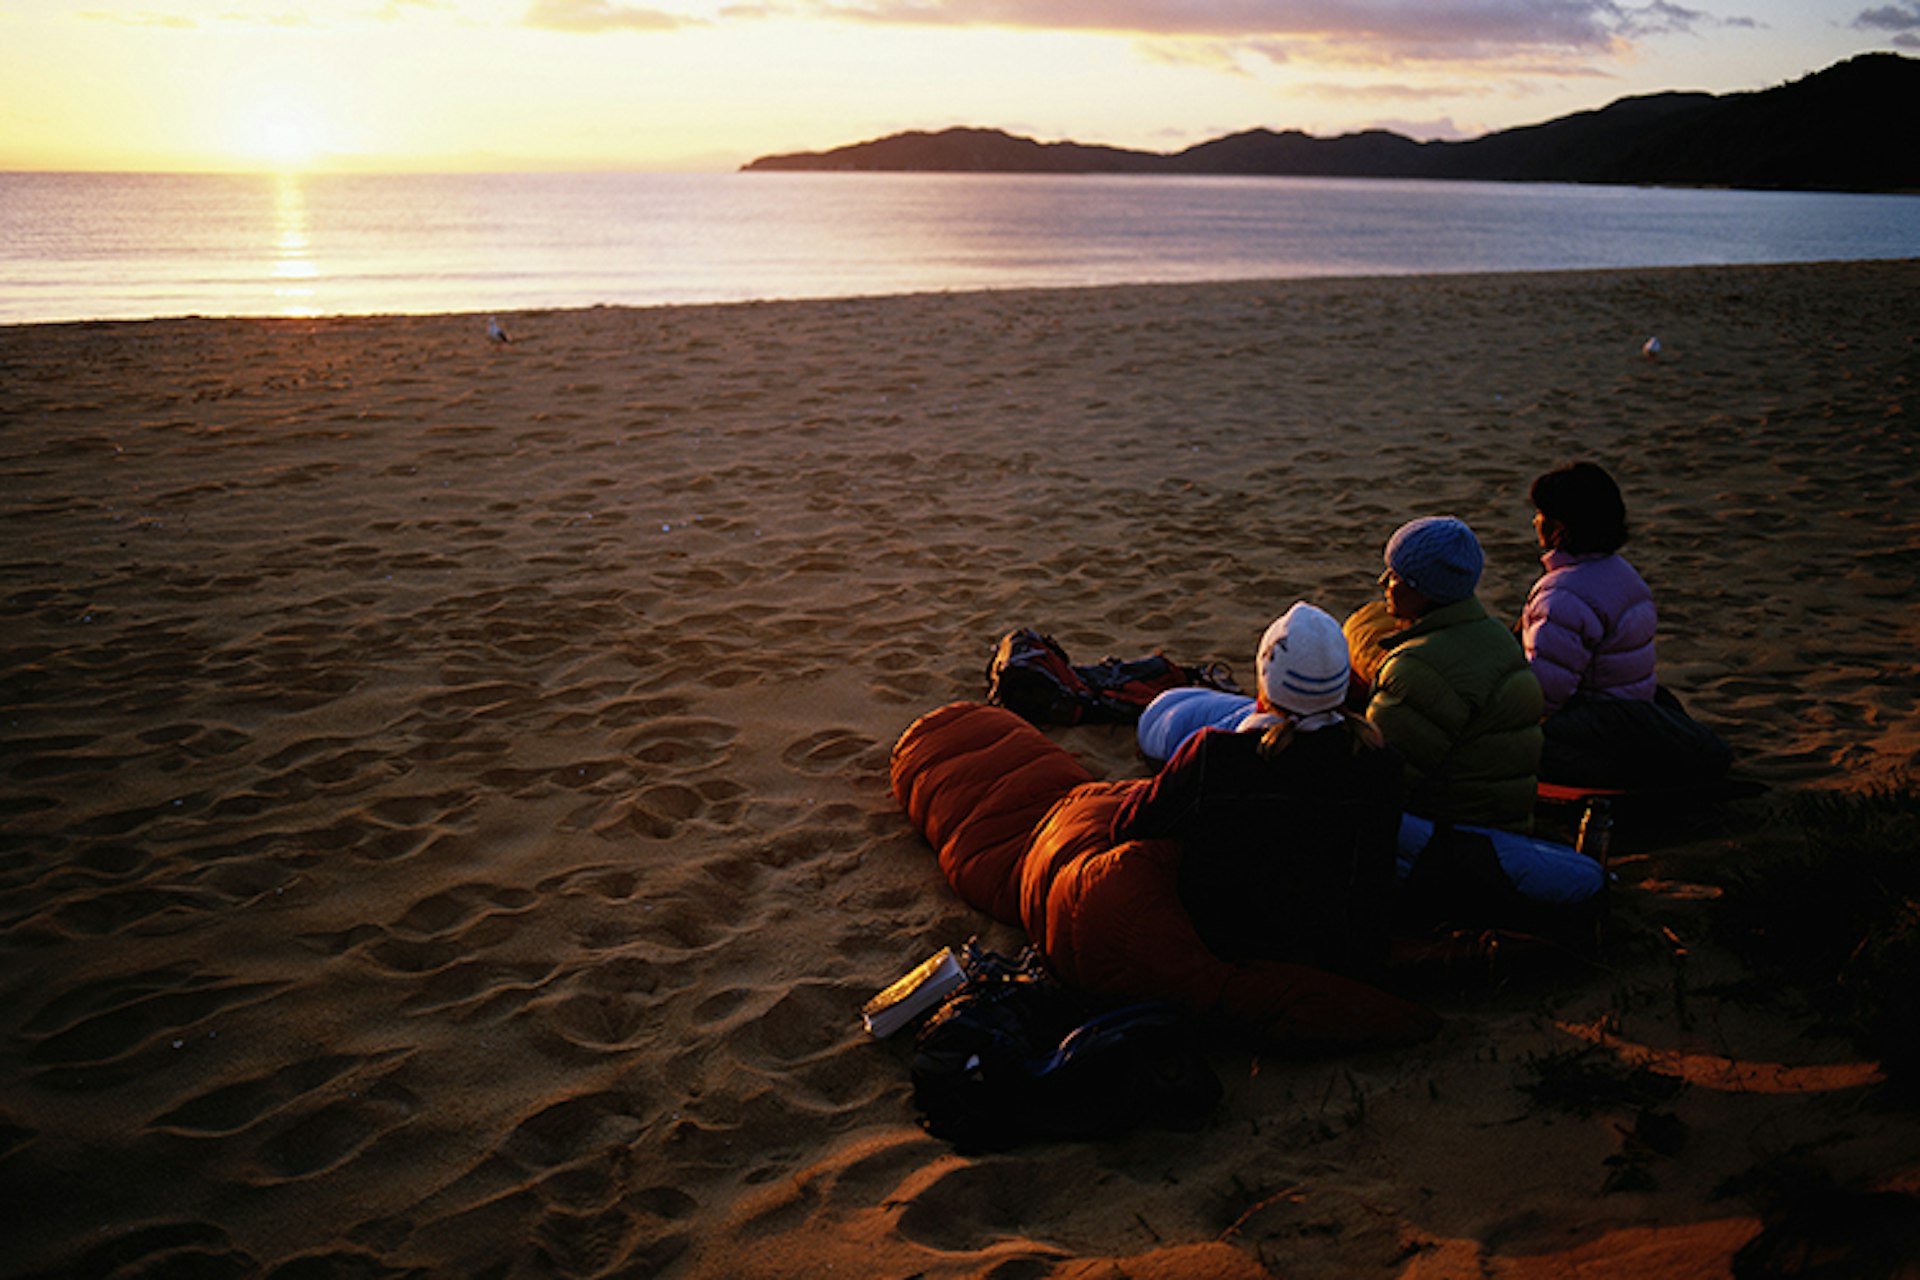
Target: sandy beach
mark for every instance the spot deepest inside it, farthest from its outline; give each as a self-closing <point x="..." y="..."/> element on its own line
<point x="445" y="827"/>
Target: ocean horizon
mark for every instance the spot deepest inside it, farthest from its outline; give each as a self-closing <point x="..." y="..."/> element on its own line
<point x="111" y="246"/>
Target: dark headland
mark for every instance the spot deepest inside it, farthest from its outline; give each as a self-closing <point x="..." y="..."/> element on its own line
<point x="1851" y="127"/>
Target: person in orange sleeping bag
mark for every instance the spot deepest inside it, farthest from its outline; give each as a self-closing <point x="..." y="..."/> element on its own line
<point x="1287" y="823"/>
<point x="1024" y="833"/>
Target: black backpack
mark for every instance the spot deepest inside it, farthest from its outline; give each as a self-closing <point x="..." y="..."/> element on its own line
<point x="1013" y="1056"/>
<point x="1031" y="676"/>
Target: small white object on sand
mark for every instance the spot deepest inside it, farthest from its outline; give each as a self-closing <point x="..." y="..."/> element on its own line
<point x="494" y="330"/>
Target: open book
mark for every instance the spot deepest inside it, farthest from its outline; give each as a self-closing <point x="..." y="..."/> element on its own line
<point x="930" y="982"/>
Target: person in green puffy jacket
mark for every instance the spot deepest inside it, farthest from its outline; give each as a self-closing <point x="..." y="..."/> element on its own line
<point x="1447" y="685"/>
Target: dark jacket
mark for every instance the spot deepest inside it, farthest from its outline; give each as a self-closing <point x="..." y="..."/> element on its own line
<point x="1288" y="857"/>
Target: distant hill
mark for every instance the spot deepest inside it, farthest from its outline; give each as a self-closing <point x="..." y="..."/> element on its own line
<point x="1851" y="127"/>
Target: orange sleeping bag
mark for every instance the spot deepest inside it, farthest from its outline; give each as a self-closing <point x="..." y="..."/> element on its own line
<point x="1023" y="832"/>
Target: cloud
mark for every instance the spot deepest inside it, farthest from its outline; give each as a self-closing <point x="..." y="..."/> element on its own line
<point x="1893" y="17"/>
<point x="1449" y="92"/>
<point x="143" y="19"/>
<point x="1902" y="19"/>
<point x="602" y="15"/>
<point x="1461" y="25"/>
<point x="1372" y="32"/>
<point x="1659" y="19"/>
<point x="291" y="17"/>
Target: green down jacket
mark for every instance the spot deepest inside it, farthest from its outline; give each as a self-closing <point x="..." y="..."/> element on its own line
<point x="1454" y="694"/>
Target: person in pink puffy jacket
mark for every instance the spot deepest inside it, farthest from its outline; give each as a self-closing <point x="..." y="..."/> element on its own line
<point x="1588" y="632"/>
<point x="1589" y="622"/>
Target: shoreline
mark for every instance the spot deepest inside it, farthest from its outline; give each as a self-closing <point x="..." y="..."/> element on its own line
<point x="988" y="291"/>
<point x="446" y="782"/>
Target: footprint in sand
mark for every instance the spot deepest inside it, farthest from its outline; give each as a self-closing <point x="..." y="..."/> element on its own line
<point x="864" y="1174"/>
<point x="166" y="1244"/>
<point x="237" y="1107"/>
<point x="590" y="1244"/>
<point x="336" y="1133"/>
<point x="681" y="743"/>
<point x="106" y="1032"/>
<point x="439" y="935"/>
<point x="573" y="1161"/>
<point x="964" y="1207"/>
<point x="912" y="689"/>
<point x="721" y="1006"/>
<point x="629" y="711"/>
<point x="441" y="913"/>
<point x="612" y="883"/>
<point x="802" y="1024"/>
<point x="656" y="813"/>
<point x="602" y="1021"/>
<point x="99" y="914"/>
<point x="829" y="751"/>
<point x="245" y="880"/>
<point x="199" y="741"/>
<point x="722" y="799"/>
<point x="558" y="1133"/>
<point x="605" y="1008"/>
<point x="479" y="990"/>
<point x="333" y="944"/>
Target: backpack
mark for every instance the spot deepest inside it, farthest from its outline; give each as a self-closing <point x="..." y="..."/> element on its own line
<point x="1013" y="1056"/>
<point x="1031" y="676"/>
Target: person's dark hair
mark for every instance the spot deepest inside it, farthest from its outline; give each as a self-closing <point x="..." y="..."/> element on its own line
<point x="1585" y="499"/>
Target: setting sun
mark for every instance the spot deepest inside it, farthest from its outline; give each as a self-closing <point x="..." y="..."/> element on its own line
<point x="284" y="135"/>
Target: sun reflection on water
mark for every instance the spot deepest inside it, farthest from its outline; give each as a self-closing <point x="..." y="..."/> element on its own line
<point x="293" y="266"/>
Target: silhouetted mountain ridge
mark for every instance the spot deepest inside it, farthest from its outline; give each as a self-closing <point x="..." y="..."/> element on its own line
<point x="1851" y="127"/>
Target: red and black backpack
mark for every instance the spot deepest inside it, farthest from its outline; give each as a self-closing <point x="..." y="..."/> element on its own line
<point x="1031" y="676"/>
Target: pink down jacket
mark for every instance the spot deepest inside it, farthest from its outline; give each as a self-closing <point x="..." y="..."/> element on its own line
<point x="1588" y="629"/>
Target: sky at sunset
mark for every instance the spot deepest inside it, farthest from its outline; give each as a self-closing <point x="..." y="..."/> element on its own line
<point x="687" y="84"/>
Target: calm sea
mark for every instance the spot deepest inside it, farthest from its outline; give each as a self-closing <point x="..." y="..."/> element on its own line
<point x="119" y="246"/>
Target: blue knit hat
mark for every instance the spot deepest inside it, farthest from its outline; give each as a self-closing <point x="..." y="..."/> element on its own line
<point x="1438" y="556"/>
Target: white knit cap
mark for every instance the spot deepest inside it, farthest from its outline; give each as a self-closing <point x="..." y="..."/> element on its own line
<point x="1303" y="662"/>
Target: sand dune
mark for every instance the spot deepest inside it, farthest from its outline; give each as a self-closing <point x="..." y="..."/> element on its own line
<point x="445" y="819"/>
